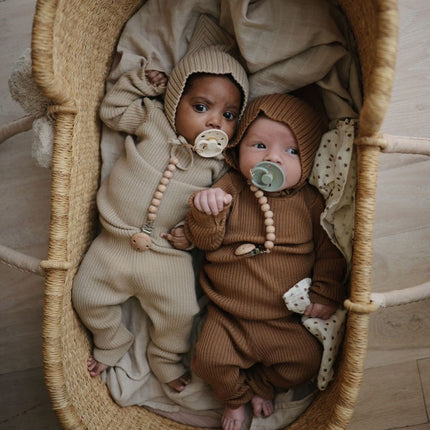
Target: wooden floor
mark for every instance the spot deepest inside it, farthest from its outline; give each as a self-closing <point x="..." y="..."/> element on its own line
<point x="395" y="392"/>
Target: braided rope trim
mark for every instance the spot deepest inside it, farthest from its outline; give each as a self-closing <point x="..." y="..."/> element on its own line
<point x="360" y="308"/>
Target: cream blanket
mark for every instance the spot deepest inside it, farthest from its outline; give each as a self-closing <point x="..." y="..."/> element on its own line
<point x="285" y="45"/>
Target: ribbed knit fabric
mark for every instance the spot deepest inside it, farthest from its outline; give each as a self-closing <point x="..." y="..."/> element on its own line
<point x="240" y="358"/>
<point x="162" y="278"/>
<point x="252" y="328"/>
<point x="206" y="60"/>
<point x="305" y="123"/>
<point x="211" y="50"/>
<point x="252" y="287"/>
<point x="110" y="273"/>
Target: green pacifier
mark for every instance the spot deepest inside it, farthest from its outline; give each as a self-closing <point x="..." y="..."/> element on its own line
<point x="268" y="176"/>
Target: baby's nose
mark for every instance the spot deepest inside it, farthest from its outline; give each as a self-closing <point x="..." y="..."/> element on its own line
<point x="214" y="121"/>
<point x="273" y="156"/>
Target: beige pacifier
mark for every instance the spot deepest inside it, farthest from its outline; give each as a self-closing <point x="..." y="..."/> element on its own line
<point x="210" y="143"/>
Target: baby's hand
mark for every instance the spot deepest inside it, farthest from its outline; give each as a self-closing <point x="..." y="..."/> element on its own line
<point x="177" y="238"/>
<point x="156" y="78"/>
<point x="212" y="201"/>
<point x="318" y="310"/>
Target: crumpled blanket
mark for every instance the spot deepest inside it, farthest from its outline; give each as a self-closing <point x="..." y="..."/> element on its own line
<point x="284" y="45"/>
<point x="329" y="332"/>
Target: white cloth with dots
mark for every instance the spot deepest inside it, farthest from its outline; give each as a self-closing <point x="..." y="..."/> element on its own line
<point x="334" y="174"/>
<point x="329" y="332"/>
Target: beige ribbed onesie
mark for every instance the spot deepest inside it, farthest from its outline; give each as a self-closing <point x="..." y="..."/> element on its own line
<point x="162" y="278"/>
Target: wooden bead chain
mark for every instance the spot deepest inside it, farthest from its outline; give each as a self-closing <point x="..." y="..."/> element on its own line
<point x="249" y="249"/>
<point x="268" y="218"/>
<point x="162" y="186"/>
<point x="142" y="241"/>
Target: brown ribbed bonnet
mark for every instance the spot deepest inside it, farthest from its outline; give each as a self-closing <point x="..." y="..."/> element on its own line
<point x="305" y="123"/>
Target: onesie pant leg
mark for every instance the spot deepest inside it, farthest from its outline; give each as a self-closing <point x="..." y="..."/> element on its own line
<point x="290" y="356"/>
<point x="168" y="296"/>
<point x="99" y="287"/>
<point x="219" y="361"/>
<point x="242" y="358"/>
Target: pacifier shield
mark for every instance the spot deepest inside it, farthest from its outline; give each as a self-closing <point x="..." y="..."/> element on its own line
<point x="268" y="176"/>
<point x="210" y="143"/>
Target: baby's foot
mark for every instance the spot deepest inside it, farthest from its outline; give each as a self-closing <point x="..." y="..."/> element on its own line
<point x="95" y="367"/>
<point x="261" y="407"/>
<point x="233" y="419"/>
<point x="180" y="383"/>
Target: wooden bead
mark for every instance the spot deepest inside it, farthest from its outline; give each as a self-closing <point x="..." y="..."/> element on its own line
<point x="140" y="242"/>
<point x="159" y="194"/>
<point x="259" y="194"/>
<point x="269" y="244"/>
<point x="168" y="174"/>
<point x="270" y="236"/>
<point x="151" y="217"/>
<point x="265" y="207"/>
<point x="170" y="168"/>
<point x="152" y="209"/>
<point x="155" y="202"/>
<point x="164" y="181"/>
<point x="269" y="221"/>
<point x="268" y="214"/>
<point x="270" y="229"/>
<point x="174" y="161"/>
<point x="262" y="200"/>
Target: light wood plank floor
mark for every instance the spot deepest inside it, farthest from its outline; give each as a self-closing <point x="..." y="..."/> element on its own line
<point x="395" y="392"/>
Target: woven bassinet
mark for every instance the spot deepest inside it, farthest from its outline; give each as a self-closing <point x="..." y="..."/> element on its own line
<point x="72" y="48"/>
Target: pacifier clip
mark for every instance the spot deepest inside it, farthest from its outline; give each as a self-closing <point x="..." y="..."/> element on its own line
<point x="208" y="144"/>
<point x="250" y="249"/>
<point x="266" y="176"/>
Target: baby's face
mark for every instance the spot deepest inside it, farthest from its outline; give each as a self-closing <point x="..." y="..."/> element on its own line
<point x="269" y="140"/>
<point x="210" y="102"/>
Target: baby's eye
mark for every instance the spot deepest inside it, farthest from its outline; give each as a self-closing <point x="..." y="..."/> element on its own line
<point x="259" y="145"/>
<point x="230" y="116"/>
<point x="200" y="107"/>
<point x="293" y="151"/>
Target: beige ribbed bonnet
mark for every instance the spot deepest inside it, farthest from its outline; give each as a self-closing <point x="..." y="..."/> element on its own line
<point x="210" y="50"/>
<point x="305" y="123"/>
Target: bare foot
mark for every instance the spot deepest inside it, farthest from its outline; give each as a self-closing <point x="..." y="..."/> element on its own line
<point x="261" y="407"/>
<point x="180" y="383"/>
<point x="232" y="419"/>
<point x="95" y="367"/>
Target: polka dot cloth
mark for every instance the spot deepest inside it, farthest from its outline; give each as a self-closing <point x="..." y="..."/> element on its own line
<point x="334" y="173"/>
<point x="329" y="332"/>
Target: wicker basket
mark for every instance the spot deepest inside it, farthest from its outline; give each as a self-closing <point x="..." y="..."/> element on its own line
<point x="72" y="49"/>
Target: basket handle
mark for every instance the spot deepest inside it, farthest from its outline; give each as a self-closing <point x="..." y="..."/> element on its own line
<point x="9" y="256"/>
<point x="406" y="144"/>
<point x="401" y="297"/>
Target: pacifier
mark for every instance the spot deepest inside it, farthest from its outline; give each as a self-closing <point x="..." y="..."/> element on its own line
<point x="268" y="176"/>
<point x="210" y="143"/>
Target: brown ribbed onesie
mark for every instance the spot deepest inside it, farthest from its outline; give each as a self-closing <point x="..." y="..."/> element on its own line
<point x="250" y="342"/>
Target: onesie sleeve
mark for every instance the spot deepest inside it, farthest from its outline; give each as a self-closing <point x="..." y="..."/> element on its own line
<point x="122" y="108"/>
<point x="330" y="266"/>
<point x="207" y="232"/>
